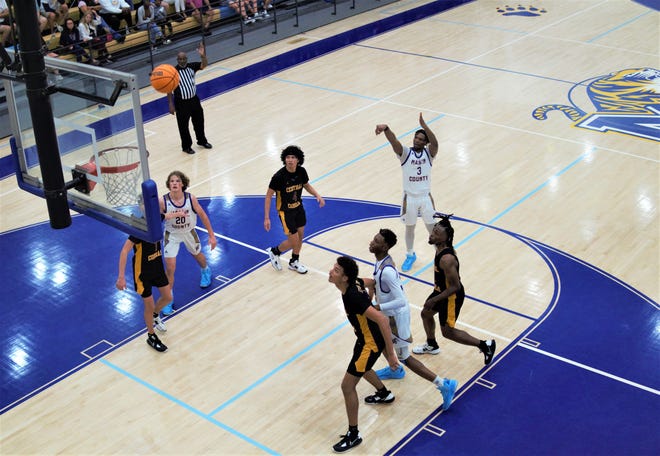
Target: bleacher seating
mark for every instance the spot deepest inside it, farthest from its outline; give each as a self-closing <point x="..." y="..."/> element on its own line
<point x="137" y="40"/>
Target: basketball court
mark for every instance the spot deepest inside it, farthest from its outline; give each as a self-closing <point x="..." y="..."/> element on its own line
<point x="547" y="120"/>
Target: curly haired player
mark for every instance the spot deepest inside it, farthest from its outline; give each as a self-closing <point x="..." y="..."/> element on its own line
<point x="288" y="183"/>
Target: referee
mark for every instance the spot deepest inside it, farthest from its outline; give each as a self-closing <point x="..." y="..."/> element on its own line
<point x="185" y="102"/>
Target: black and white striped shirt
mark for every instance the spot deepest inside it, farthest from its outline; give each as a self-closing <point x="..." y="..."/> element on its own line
<point x="186" y="89"/>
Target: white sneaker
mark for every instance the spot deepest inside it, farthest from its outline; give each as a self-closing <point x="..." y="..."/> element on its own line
<point x="298" y="267"/>
<point x="274" y="259"/>
<point x="159" y="324"/>
<point x="264" y="14"/>
<point x="426" y="349"/>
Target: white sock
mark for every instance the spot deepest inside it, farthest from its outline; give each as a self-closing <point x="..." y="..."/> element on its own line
<point x="410" y="238"/>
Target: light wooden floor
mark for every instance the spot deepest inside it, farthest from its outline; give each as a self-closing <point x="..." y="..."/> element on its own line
<point x="477" y="75"/>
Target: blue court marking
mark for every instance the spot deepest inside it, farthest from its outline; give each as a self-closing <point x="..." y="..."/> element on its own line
<point x="33" y="359"/>
<point x="592" y="267"/>
<point x="600" y="372"/>
<point x="326" y="89"/>
<point x="618" y="27"/>
<point x="371" y="152"/>
<point x="214" y="207"/>
<point x="604" y="302"/>
<point x="537" y="189"/>
<point x="188" y="407"/>
<point x="486" y="27"/>
<point x="332" y="332"/>
<point x="654" y="4"/>
<point x="513" y="206"/>
<point x="265" y="68"/>
<point x="503" y="309"/>
<point x="413" y="438"/>
<point x="425" y="282"/>
<point x="462" y="62"/>
<point x="465" y="240"/>
<point x="277" y="369"/>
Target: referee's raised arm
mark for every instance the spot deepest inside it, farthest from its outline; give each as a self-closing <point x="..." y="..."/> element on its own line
<point x="202" y="54"/>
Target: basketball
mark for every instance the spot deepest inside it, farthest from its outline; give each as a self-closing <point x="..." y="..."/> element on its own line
<point x="165" y="78"/>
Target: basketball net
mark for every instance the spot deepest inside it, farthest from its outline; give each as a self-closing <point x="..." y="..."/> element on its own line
<point x="120" y="173"/>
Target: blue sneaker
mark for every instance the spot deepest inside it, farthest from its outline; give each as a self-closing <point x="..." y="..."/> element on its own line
<point x="447" y="390"/>
<point x="388" y="374"/>
<point x="168" y="309"/>
<point x="205" y="281"/>
<point x="407" y="264"/>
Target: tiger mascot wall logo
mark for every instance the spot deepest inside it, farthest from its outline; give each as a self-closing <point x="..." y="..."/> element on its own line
<point x="627" y="102"/>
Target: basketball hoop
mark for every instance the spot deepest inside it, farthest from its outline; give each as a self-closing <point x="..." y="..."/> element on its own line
<point x="120" y="173"/>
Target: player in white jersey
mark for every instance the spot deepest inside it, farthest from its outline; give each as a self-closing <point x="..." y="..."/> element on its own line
<point x="392" y="301"/>
<point x="416" y="163"/>
<point x="180" y="210"/>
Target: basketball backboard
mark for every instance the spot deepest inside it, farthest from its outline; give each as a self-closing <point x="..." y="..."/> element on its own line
<point x="98" y="122"/>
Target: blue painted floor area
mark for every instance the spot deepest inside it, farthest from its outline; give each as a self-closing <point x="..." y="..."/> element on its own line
<point x="63" y="296"/>
<point x="583" y="380"/>
<point x="588" y="385"/>
<point x="653" y="4"/>
<point x="543" y="406"/>
<point x="621" y="336"/>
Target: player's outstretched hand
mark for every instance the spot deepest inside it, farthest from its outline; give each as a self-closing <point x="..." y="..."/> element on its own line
<point x="422" y="123"/>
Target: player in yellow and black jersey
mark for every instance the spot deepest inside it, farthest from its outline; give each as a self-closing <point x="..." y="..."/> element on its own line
<point x="148" y="272"/>
<point x="372" y="330"/>
<point x="287" y="185"/>
<point x="447" y="297"/>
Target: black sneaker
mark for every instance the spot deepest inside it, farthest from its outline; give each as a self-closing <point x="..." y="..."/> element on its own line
<point x="488" y="349"/>
<point x="347" y="442"/>
<point x="385" y="397"/>
<point x="155" y="343"/>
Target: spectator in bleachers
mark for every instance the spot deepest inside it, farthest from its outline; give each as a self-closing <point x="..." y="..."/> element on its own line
<point x="161" y="17"/>
<point x="5" y="24"/>
<point x="92" y="6"/>
<point x="146" y="20"/>
<point x="92" y="38"/>
<point x="253" y="8"/>
<point x="43" y="22"/>
<point x="241" y="7"/>
<point x="55" y="11"/>
<point x="86" y="5"/>
<point x="266" y="6"/>
<point x="114" y="11"/>
<point x="71" y="43"/>
<point x="180" y="8"/>
<point x="202" y="12"/>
